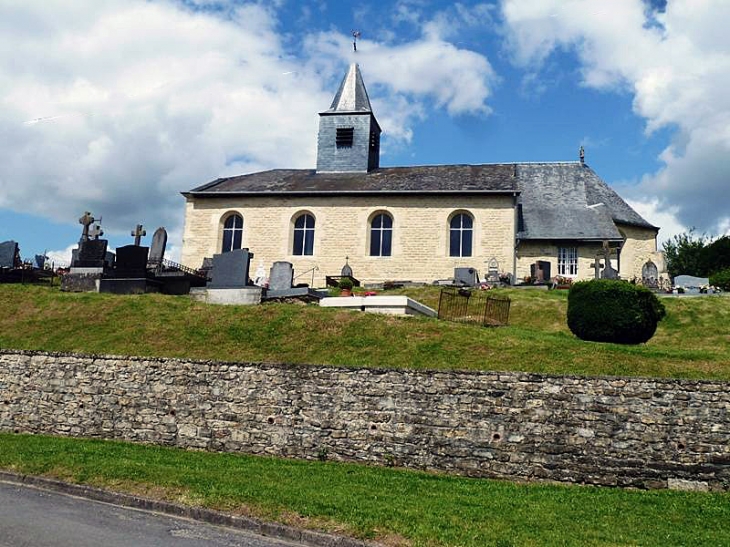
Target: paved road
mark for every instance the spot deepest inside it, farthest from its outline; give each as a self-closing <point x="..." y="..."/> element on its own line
<point x="37" y="518"/>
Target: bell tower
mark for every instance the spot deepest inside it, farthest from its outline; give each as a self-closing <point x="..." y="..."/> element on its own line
<point x="349" y="134"/>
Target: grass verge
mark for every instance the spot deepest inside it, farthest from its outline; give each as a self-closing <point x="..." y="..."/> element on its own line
<point x="692" y="342"/>
<point x="395" y="506"/>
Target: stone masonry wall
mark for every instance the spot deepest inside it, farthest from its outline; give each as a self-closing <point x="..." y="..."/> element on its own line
<point x="640" y="432"/>
<point x="420" y="234"/>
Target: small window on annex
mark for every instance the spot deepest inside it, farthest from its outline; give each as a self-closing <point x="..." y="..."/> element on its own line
<point x="303" y="235"/>
<point x="381" y="235"/>
<point x="460" y="234"/>
<point x="232" y="233"/>
<point x="568" y="261"/>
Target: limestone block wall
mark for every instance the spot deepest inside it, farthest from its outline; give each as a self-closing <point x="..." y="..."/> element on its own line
<point x="420" y="234"/>
<point x="609" y="431"/>
<point x="638" y="248"/>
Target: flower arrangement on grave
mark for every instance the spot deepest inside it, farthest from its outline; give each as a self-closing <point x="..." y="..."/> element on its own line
<point x="345" y="285"/>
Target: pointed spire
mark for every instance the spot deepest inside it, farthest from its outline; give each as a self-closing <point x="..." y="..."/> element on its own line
<point x="352" y="95"/>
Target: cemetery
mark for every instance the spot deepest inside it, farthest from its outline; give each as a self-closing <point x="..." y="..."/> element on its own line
<point x="528" y="402"/>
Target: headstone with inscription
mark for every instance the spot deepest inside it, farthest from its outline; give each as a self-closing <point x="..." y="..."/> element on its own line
<point x="466" y="277"/>
<point x="650" y="275"/>
<point x="230" y="270"/>
<point x="493" y="271"/>
<point x="131" y="261"/>
<point x="609" y="272"/>
<point x="157" y="249"/>
<point x="9" y="254"/>
<point x="91" y="254"/>
<point x="281" y="276"/>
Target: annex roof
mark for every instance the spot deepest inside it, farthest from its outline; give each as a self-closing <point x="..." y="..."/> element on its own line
<point x="570" y="201"/>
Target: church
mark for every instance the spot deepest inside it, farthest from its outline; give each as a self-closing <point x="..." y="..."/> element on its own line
<point x="415" y="223"/>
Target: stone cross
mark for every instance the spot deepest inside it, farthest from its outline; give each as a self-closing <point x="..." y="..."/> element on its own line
<point x="597" y="266"/>
<point x="605" y="254"/>
<point x="95" y="231"/>
<point x="87" y="220"/>
<point x="137" y="234"/>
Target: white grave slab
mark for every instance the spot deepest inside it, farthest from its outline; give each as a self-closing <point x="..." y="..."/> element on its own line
<point x="391" y="305"/>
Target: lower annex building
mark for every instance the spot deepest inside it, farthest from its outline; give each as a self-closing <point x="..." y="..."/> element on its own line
<point x="414" y="223"/>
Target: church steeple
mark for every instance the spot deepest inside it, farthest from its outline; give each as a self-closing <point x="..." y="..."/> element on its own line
<point x="349" y="134"/>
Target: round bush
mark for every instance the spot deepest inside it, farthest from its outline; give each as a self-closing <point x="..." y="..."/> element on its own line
<point x="606" y="310"/>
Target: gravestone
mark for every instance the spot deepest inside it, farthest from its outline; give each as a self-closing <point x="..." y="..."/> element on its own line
<point x="131" y="262"/>
<point x="467" y="277"/>
<point x="281" y="276"/>
<point x="650" y="275"/>
<point x="39" y="261"/>
<point x="157" y="249"/>
<point x="137" y="234"/>
<point x="540" y="271"/>
<point x="493" y="271"/>
<point x="91" y="254"/>
<point x="346" y="269"/>
<point x="609" y="272"/>
<point x="9" y="254"/>
<point x="690" y="283"/>
<point x="230" y="270"/>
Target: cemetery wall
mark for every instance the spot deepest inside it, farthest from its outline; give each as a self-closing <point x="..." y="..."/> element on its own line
<point x="342" y="228"/>
<point x="653" y="433"/>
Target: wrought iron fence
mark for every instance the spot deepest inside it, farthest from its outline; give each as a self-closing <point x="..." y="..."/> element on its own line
<point x="473" y="306"/>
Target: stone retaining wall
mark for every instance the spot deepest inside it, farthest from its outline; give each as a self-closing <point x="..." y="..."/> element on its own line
<point x="650" y="433"/>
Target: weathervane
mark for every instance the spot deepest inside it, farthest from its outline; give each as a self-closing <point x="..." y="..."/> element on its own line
<point x="355" y="36"/>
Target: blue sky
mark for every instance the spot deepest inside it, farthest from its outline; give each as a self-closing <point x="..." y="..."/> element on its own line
<point x="116" y="107"/>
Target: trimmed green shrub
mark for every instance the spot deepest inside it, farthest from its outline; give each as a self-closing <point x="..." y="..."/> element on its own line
<point x="606" y="310"/>
<point x="721" y="279"/>
<point x="346" y="284"/>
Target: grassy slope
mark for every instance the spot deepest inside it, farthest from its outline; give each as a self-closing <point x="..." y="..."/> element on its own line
<point x="692" y="342"/>
<point x="397" y="506"/>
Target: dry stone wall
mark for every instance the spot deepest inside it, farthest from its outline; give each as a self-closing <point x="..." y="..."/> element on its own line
<point x="609" y="431"/>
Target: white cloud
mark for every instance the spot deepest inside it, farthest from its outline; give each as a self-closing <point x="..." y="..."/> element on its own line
<point x="677" y="66"/>
<point x="117" y="106"/>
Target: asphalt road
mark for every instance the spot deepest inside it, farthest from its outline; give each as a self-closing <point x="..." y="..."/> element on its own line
<point x="30" y="517"/>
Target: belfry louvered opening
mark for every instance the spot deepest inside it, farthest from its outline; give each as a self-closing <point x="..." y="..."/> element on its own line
<point x="345" y="136"/>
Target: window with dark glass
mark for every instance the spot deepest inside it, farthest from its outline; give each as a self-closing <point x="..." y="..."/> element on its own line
<point x="345" y="137"/>
<point x="381" y="235"/>
<point x="232" y="233"/>
<point x="304" y="235"/>
<point x="460" y="235"/>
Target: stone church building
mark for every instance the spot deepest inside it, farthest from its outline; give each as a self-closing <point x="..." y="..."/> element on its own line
<point x="414" y="223"/>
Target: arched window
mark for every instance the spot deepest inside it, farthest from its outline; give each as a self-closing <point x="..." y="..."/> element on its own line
<point x="460" y="234"/>
<point x="381" y="235"/>
<point x="232" y="233"/>
<point x="304" y="235"/>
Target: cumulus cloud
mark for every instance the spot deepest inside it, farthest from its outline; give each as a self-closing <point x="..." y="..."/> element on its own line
<point x="117" y="106"/>
<point x="676" y="63"/>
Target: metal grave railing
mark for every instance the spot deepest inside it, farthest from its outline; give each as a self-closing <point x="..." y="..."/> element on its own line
<point x="473" y="306"/>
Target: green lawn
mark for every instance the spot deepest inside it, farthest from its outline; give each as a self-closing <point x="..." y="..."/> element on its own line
<point x="692" y="342"/>
<point x="396" y="506"/>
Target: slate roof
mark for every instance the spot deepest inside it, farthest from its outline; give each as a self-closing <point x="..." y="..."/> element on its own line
<point x="565" y="201"/>
<point x="455" y="179"/>
<point x="352" y="95"/>
<point x="569" y="201"/>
